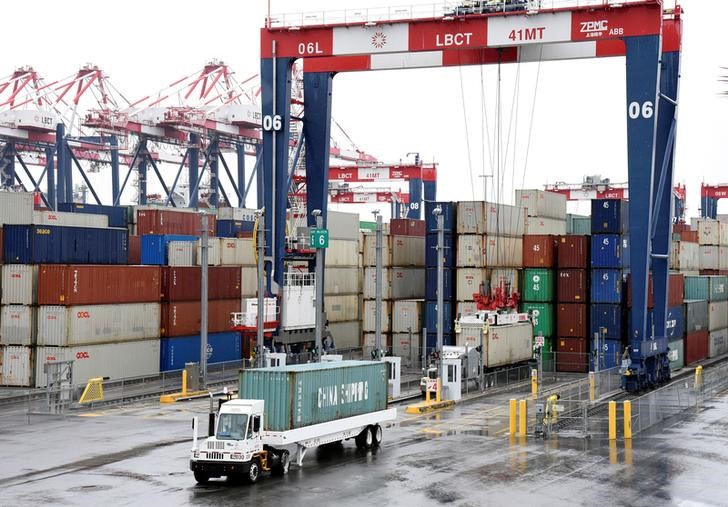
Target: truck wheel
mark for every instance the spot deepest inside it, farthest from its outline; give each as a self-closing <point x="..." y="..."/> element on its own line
<point x="253" y="472"/>
<point x="364" y="440"/>
<point x="283" y="464"/>
<point x="201" y="477"/>
<point x="376" y="431"/>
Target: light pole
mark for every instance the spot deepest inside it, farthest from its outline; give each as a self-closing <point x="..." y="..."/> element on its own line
<point x="485" y="184"/>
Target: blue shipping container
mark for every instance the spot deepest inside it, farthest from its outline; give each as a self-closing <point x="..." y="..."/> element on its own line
<point x="609" y="216"/>
<point x="154" y="247"/>
<point x="431" y="283"/>
<point x="52" y="244"/>
<point x="609" y="355"/>
<point x="232" y="228"/>
<point x="674" y="324"/>
<point x="607" y="286"/>
<point x="221" y="347"/>
<point x="431" y="251"/>
<point x="609" y="251"/>
<point x="431" y="317"/>
<point x="447" y="339"/>
<point x="448" y="214"/>
<point x="118" y="215"/>
<point x="610" y="317"/>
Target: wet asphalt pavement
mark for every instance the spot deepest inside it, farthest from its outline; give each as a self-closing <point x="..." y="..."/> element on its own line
<point x="139" y="456"/>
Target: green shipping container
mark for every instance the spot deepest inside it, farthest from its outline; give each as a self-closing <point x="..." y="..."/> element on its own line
<point x="538" y="285"/>
<point x="547" y="353"/>
<point x="576" y="224"/>
<point x="304" y="394"/>
<point x="676" y="354"/>
<point x="543" y="317"/>
<point x="718" y="288"/>
<point x="697" y="287"/>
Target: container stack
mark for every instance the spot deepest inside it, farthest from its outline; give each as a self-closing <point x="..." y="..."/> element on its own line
<point x="713" y="241"/>
<point x="449" y="262"/>
<point x="471" y="275"/>
<point x="706" y="311"/>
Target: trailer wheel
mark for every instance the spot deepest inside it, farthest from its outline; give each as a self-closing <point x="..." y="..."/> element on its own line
<point x="376" y="431"/>
<point x="253" y="472"/>
<point x="365" y="439"/>
<point x="283" y="465"/>
<point x="201" y="477"/>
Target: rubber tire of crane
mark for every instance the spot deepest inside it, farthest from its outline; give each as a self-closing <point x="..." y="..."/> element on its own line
<point x="283" y="465"/>
<point x="364" y="439"/>
<point x="201" y="477"/>
<point x="377" y="435"/>
<point x="253" y="472"/>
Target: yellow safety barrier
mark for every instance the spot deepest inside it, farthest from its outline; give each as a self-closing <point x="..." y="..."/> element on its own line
<point x="428" y="405"/>
<point x="612" y="420"/>
<point x="94" y="390"/>
<point x="522" y="417"/>
<point x="699" y="376"/>
<point x="627" y="419"/>
<point x="512" y="409"/>
<point x="534" y="384"/>
<point x="171" y="398"/>
<point x="184" y="382"/>
<point x="592" y="386"/>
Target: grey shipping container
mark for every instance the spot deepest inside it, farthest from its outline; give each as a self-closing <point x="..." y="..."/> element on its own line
<point x="696" y="315"/>
<point x="718" y="342"/>
<point x="342" y="225"/>
<point x="408" y="283"/>
<point x="302" y="395"/>
<point x="346" y="335"/>
<point x="717" y="315"/>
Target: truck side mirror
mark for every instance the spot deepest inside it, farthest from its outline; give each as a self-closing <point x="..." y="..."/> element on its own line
<point x="256" y="424"/>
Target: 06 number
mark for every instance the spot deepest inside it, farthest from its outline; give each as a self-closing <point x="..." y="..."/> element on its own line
<point x="644" y="110"/>
<point x="273" y="122"/>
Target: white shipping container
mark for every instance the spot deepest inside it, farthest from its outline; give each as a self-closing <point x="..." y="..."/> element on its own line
<point x="18" y="324"/>
<point x="466" y="308"/>
<point x="723" y="225"/>
<point x="342" y="225"/>
<point x="407" y="346"/>
<point x="238" y="214"/>
<point x="718" y="343"/>
<point x="539" y="203"/>
<point x="368" y="323"/>
<point x="79" y="325"/>
<point x="369" y="340"/>
<point x="341" y="280"/>
<point x="503" y="252"/>
<point x="503" y="345"/>
<point x="407" y="316"/>
<point x="685" y="256"/>
<point x="470" y="252"/>
<point x="370" y="250"/>
<point x="408" y="250"/>
<point x="19" y="283"/>
<point x="341" y="308"/>
<point x="370" y="280"/>
<point x="115" y="360"/>
<point x="346" y="335"/>
<point x="17" y="366"/>
<point x="248" y="281"/>
<point x="237" y="252"/>
<point x="213" y="251"/>
<point x="708" y="232"/>
<point x="68" y="219"/>
<point x="717" y="315"/>
<point x="541" y="225"/>
<point x="504" y="219"/>
<point x="408" y="283"/>
<point x="182" y="253"/>
<point x="16" y="208"/>
<point x="723" y="257"/>
<point x="709" y="257"/>
<point x="470" y="281"/>
<point x="342" y="252"/>
<point x="249" y="308"/>
<point x="471" y="217"/>
<point x="507" y="278"/>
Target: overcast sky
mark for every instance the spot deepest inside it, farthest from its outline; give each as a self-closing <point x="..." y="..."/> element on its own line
<point x="575" y="114"/>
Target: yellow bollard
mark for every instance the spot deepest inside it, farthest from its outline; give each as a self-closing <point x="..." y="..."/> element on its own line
<point x="522" y="417"/>
<point x="427" y="394"/>
<point x="628" y="452"/>
<point x="184" y="382"/>
<point x="512" y="417"/>
<point x="699" y="376"/>
<point x="612" y="452"/>
<point x="627" y="419"/>
<point x="534" y="384"/>
<point x="439" y="390"/>
<point x="612" y="420"/>
<point x="592" y="386"/>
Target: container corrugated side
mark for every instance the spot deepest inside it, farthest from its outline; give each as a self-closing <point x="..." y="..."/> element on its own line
<point x="221" y="347"/>
<point x="19" y="282"/>
<point x="408" y="250"/>
<point x="234" y="228"/>
<point x="540" y="203"/>
<point x="341" y="280"/>
<point x="18" y="324"/>
<point x="579" y="225"/>
<point x="408" y="283"/>
<point x="50" y="244"/>
<point x="90" y="324"/>
<point x="696" y="346"/>
<point x="684" y="256"/>
<point x="115" y="360"/>
<point x="183" y="317"/>
<point x="508" y="345"/>
<point x="470" y="251"/>
<point x="154" y="247"/>
<point x="182" y="283"/>
<point x="676" y="354"/>
<point x="610" y="216"/>
<point x="718" y="288"/>
<point x="303" y="395"/>
<point x="117" y="216"/>
<point x="213" y="252"/>
<point x="342" y="225"/>
<point x="342" y="252"/>
<point x="504" y="220"/>
<point x="346" y="335"/>
<point x="610" y="318"/>
<point x="248" y="281"/>
<point x="370" y="279"/>
<point x="697" y="287"/>
<point x="241" y="214"/>
<point x="470" y="217"/>
<point x="407" y="316"/>
<point x="542" y="315"/>
<point x="696" y="315"/>
<point x="182" y="253"/>
<point x="607" y="286"/>
<point x="572" y="285"/>
<point x="539" y="251"/>
<point x="16" y="208"/>
<point x="468" y="308"/>
<point x="540" y="226"/>
<point x="448" y="210"/>
<point x="718" y="342"/>
<point x="503" y="252"/>
<point x="341" y="308"/>
<point x="431" y="311"/>
<point x="368" y="322"/>
<point x="573" y="251"/>
<point x="448" y="283"/>
<point x="17" y="366"/>
<point x="370" y="250"/>
<point x="709" y="257"/>
<point x="572" y="320"/>
<point x="67" y="219"/>
<point x="538" y="285"/>
<point x="240" y="252"/>
<point x="407" y="346"/>
<point x="470" y="281"/>
<point x="609" y="251"/>
<point x="717" y="315"/>
<point x="708" y="232"/>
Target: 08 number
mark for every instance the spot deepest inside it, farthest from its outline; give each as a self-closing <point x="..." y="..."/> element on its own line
<point x="644" y="110"/>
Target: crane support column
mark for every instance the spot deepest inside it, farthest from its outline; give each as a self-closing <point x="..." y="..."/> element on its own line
<point x="240" y="153"/>
<point x="114" y="145"/>
<point x="60" y="163"/>
<point x="50" y="179"/>
<point x="317" y="132"/>
<point x="214" y="154"/>
<point x="193" y="171"/>
<point x="142" y="170"/>
<point x="415" y="199"/>
<point x="7" y="165"/>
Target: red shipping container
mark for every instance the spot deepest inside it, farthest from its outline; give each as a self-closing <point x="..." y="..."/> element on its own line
<point x="159" y="221"/>
<point x="539" y="251"/>
<point x="573" y="251"/>
<point x="67" y="285"/>
<point x="572" y="320"/>
<point x="689" y="236"/>
<point x="572" y="355"/>
<point x="407" y="227"/>
<point x="709" y="272"/>
<point x="675" y="292"/>
<point x="135" y="250"/>
<point x="183" y="318"/>
<point x="680" y="227"/>
<point x="572" y="286"/>
<point x="696" y="346"/>
<point x="182" y="283"/>
<point x="417" y="228"/>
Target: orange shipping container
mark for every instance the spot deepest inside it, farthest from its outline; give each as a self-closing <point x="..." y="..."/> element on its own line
<point x="183" y="318"/>
<point x="157" y="221"/>
<point x="539" y="251"/>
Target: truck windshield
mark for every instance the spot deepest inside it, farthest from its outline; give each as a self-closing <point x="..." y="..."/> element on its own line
<point x="231" y="426"/>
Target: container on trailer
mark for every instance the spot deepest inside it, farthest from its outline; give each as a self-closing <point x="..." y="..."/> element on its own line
<point x="213" y="252"/>
<point x="542" y="315"/>
<point x="154" y="247"/>
<point x="718" y="285"/>
<point x="577" y="224"/>
<point x="34" y="244"/>
<point x="346" y="335"/>
<point x="538" y="285"/>
<point x="114" y="360"/>
<point x="504" y="220"/>
<point x="502" y="345"/>
<point x="171" y="222"/>
<point x="18" y="324"/>
<point x="368" y="320"/>
<point x="609" y="251"/>
<point x="606" y="286"/>
<point x="302" y="395"/>
<point x="182" y="283"/>
<point x="540" y="225"/>
<point x="117" y="216"/>
<point x="573" y="251"/>
<point x="708" y="231"/>
<point x="341" y="252"/>
<point x="407" y="316"/>
<point x="503" y="252"/>
<point x="709" y="257"/>
<point x="182" y="253"/>
<point x="370" y="250"/>
<point x="240" y="252"/>
<point x="696" y="315"/>
<point x="470" y="251"/>
<point x="447" y="283"/>
<point x="16" y="208"/>
<point x="67" y="219"/>
<point x="19" y="282"/>
<point x="408" y="283"/>
<point x="431" y="311"/>
<point x="539" y="251"/>
<point x="470" y="281"/>
<point x="135" y="250"/>
<point x="470" y="217"/>
<point x="609" y="317"/>
<point x="696" y="346"/>
<point x="676" y="354"/>
<point x="697" y="287"/>
<point x="506" y="279"/>
<point x="408" y="250"/>
<point x="183" y="317"/>
<point x="610" y="216"/>
<point x="448" y="210"/>
<point x="87" y="324"/>
<point x="448" y="254"/>
<point x="17" y="365"/>
<point x="572" y="285"/>
<point x="540" y="203"/>
<point x="717" y="315"/>
<point x="572" y="320"/>
<point x="370" y="280"/>
<point x="221" y="348"/>
<point x="341" y="308"/>
<point x="684" y="256"/>
<point x="341" y="280"/>
<point x="234" y="228"/>
<point x="605" y="354"/>
<point x="572" y="355"/>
